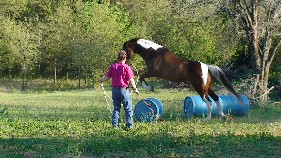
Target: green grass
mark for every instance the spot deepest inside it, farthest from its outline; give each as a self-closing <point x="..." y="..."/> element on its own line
<point x="77" y="124"/>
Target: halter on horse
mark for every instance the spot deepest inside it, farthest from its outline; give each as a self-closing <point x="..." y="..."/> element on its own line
<point x="162" y="63"/>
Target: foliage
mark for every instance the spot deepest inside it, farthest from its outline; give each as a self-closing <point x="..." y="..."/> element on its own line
<point x="18" y="45"/>
<point x="76" y="39"/>
<point x="12" y="8"/>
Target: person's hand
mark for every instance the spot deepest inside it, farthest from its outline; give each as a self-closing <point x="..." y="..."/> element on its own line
<point x="100" y="80"/>
<point x="136" y="91"/>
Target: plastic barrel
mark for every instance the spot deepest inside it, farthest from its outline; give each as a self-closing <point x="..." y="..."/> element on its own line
<point x="146" y="113"/>
<point x="195" y="106"/>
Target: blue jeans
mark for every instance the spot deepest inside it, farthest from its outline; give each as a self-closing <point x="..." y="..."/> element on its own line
<point x="122" y="95"/>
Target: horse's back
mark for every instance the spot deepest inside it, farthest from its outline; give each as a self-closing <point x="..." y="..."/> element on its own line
<point x="171" y="67"/>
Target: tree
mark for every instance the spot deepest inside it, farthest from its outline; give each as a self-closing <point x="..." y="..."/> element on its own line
<point x="259" y="23"/>
<point x="12" y="8"/>
<point x="19" y="46"/>
<point x="85" y="34"/>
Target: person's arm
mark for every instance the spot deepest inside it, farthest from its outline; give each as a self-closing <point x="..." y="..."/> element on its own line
<point x="133" y="85"/>
<point x="105" y="78"/>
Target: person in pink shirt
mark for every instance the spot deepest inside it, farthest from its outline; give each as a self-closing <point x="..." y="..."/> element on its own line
<point x="122" y="76"/>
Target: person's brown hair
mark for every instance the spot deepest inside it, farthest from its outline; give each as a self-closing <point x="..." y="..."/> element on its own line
<point x="122" y="55"/>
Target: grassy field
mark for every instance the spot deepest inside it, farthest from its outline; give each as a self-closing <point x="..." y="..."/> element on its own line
<point x="77" y="124"/>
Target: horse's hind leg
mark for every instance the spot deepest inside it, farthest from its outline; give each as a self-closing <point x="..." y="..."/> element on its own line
<point x="215" y="97"/>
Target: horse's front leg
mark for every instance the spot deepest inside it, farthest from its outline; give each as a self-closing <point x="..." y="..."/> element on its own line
<point x="144" y="84"/>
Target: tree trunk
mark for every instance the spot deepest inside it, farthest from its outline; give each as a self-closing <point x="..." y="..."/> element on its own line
<point x="23" y="87"/>
<point x="10" y="75"/>
<point x="55" y="72"/>
<point x="86" y="77"/>
<point x="79" y="77"/>
<point x="261" y="89"/>
<point x="93" y="74"/>
<point x="263" y="68"/>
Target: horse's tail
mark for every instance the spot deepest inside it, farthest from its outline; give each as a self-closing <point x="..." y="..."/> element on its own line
<point x="218" y="73"/>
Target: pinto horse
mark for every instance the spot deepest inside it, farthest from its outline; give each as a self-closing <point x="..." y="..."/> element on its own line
<point x="163" y="63"/>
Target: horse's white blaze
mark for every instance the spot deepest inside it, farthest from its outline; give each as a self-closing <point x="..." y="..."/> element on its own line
<point x="148" y="44"/>
<point x="145" y="86"/>
<point x="204" y="69"/>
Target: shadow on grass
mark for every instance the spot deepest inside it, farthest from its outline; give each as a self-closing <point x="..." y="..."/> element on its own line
<point x="268" y="114"/>
<point x="53" y="113"/>
<point x="118" y="143"/>
<point x="174" y="110"/>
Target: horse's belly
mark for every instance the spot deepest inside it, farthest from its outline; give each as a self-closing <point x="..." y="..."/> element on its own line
<point x="176" y="77"/>
<point x="176" y="72"/>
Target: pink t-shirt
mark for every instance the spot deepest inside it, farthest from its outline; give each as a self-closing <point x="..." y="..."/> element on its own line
<point x="120" y="73"/>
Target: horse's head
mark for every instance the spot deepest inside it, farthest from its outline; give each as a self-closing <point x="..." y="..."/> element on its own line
<point x="140" y="46"/>
<point x="129" y="47"/>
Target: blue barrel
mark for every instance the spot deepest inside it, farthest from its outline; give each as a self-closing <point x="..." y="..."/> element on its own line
<point x="147" y="109"/>
<point x="195" y="106"/>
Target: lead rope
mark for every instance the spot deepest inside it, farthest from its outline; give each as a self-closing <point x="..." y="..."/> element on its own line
<point x="105" y="96"/>
<point x="158" y="118"/>
<point x="137" y="77"/>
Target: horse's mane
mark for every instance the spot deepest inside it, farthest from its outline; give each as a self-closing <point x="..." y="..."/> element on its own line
<point x="148" y="44"/>
<point x="138" y="38"/>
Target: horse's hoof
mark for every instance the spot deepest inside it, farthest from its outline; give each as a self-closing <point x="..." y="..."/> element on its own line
<point x="206" y="119"/>
<point x="224" y="118"/>
<point x="229" y="119"/>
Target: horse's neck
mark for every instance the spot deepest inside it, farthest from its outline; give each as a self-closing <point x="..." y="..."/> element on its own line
<point x="144" y="53"/>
